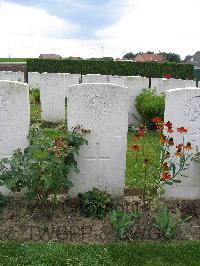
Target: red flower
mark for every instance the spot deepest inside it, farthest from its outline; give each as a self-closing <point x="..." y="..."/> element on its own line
<point x="182" y="130"/>
<point x="165" y="176"/>
<point x="168" y="124"/>
<point x="170" y="130"/>
<point x="167" y="76"/>
<point x="141" y="133"/>
<point x="135" y="147"/>
<point x="156" y="120"/>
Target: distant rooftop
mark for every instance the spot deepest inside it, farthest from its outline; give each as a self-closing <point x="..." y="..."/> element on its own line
<point x="145" y="57"/>
<point x="50" y="56"/>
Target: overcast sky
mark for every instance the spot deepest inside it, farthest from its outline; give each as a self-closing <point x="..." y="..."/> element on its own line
<point x="96" y="28"/>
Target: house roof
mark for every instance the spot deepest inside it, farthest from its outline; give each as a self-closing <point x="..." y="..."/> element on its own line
<point x="143" y="57"/>
<point x="194" y="60"/>
<point x="49" y="56"/>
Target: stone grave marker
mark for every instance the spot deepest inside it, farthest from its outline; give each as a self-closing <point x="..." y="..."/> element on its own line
<point x="12" y="76"/>
<point x="52" y="96"/>
<point x="34" y="80"/>
<point x="71" y="79"/>
<point x="14" y="118"/>
<point x="95" y="78"/>
<point x="135" y="85"/>
<point x="102" y="108"/>
<point x="183" y="110"/>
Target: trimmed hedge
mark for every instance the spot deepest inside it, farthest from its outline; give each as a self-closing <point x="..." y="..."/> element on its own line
<point x="108" y="67"/>
<point x="150" y="105"/>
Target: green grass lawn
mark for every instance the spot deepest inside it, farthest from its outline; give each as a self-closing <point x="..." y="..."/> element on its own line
<point x="13" y="60"/>
<point x="123" y="254"/>
<point x="150" y="149"/>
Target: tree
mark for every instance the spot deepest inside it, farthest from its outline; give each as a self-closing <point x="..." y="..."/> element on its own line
<point x="149" y="52"/>
<point x="187" y="57"/>
<point x="129" y="56"/>
<point x="172" y="57"/>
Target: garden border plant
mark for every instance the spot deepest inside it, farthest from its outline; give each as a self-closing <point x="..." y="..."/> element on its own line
<point x="169" y="167"/>
<point x="42" y="169"/>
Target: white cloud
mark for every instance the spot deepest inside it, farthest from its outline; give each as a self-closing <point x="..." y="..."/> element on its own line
<point x="24" y="30"/>
<point x="155" y="25"/>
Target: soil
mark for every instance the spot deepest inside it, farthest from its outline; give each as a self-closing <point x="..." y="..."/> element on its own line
<point x="62" y="222"/>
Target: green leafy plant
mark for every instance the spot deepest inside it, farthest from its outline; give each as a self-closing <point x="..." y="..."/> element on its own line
<point x="95" y="203"/>
<point x="35" y="96"/>
<point x="150" y="105"/>
<point x="168" y="223"/>
<point x="121" y="221"/>
<point x="3" y="201"/>
<point x="43" y="168"/>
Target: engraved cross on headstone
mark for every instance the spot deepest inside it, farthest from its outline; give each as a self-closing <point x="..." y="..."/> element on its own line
<point x="98" y="156"/>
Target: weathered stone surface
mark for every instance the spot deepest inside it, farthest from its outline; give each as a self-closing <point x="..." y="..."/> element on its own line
<point x="135" y="84"/>
<point x="52" y="96"/>
<point x="183" y="109"/>
<point x="14" y="117"/>
<point x="12" y="76"/>
<point x="117" y="80"/>
<point x="34" y="80"/>
<point x="102" y="108"/>
<point x="95" y="78"/>
<point x="71" y="79"/>
<point x="98" y="78"/>
<point x="157" y="85"/>
<point x="163" y="84"/>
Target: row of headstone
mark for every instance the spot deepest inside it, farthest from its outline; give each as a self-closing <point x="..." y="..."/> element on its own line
<point x="12" y="76"/>
<point x="53" y="102"/>
<point x="102" y="108"/>
<point x="162" y="84"/>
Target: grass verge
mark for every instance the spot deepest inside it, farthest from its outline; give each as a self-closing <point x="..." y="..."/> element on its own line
<point x="151" y="253"/>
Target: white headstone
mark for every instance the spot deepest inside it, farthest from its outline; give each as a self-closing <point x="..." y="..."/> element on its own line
<point x="183" y="110"/>
<point x="71" y="79"/>
<point x="34" y="80"/>
<point x="157" y="84"/>
<point x="117" y="80"/>
<point x="135" y="85"/>
<point x="163" y="84"/>
<point x="189" y="83"/>
<point x="12" y="76"/>
<point x="95" y="78"/>
<point x="169" y="84"/>
<point x="14" y="117"/>
<point x="102" y="108"/>
<point x="52" y="96"/>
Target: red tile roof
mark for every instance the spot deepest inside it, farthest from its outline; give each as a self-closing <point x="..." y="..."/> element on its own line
<point x="149" y="58"/>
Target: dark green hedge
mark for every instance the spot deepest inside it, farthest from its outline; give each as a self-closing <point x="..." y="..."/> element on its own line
<point x="108" y="67"/>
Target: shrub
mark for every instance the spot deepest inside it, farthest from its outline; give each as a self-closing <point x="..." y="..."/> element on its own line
<point x="150" y="105"/>
<point x="94" y="204"/>
<point x="121" y="221"/>
<point x="109" y="67"/>
<point x="43" y="168"/>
